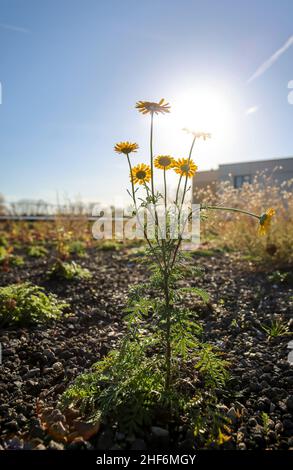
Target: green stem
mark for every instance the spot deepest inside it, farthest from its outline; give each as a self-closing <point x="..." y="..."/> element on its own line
<point x="152" y="178"/>
<point x="165" y="189"/>
<point x="177" y="192"/>
<point x="132" y="185"/>
<point x="151" y="153"/>
<point x="186" y="178"/>
<point x="230" y="209"/>
<point x="138" y="218"/>
<point x="180" y="207"/>
<point x="175" y="253"/>
<point x="155" y="219"/>
<point x="165" y="200"/>
<point x="168" y="353"/>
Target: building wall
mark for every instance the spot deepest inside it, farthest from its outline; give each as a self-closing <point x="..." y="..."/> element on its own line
<point x="281" y="170"/>
<point x="204" y="178"/>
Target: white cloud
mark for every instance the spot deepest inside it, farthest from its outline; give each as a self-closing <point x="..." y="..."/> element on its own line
<point x="252" y="110"/>
<point x="268" y="63"/>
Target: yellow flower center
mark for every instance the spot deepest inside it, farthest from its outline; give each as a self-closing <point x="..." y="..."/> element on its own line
<point x="262" y="219"/>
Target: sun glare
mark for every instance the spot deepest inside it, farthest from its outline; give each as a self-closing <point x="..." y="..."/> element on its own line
<point x="202" y="110"/>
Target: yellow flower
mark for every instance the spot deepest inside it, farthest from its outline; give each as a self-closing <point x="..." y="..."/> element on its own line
<point x="140" y="174"/>
<point x="146" y="107"/>
<point x="126" y="147"/>
<point x="198" y="135"/>
<point x="222" y="438"/>
<point x="163" y="162"/>
<point x="265" y="221"/>
<point x="184" y="167"/>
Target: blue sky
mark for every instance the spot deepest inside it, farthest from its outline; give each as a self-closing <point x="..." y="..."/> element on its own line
<point x="72" y="70"/>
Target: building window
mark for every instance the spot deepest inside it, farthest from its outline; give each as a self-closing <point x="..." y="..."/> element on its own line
<point x="239" y="180"/>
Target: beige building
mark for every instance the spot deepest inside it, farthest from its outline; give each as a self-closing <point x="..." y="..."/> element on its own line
<point x="243" y="172"/>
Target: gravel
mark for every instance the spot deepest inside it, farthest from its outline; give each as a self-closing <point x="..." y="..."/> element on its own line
<point x="40" y="362"/>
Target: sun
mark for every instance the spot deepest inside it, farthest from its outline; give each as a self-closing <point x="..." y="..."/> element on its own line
<point x="209" y="108"/>
<point x="202" y="110"/>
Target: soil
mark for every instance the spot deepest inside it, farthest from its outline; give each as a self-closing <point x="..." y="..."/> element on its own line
<point x="38" y="363"/>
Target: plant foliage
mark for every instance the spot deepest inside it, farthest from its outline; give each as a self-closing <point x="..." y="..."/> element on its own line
<point x="69" y="271"/>
<point x="26" y="304"/>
